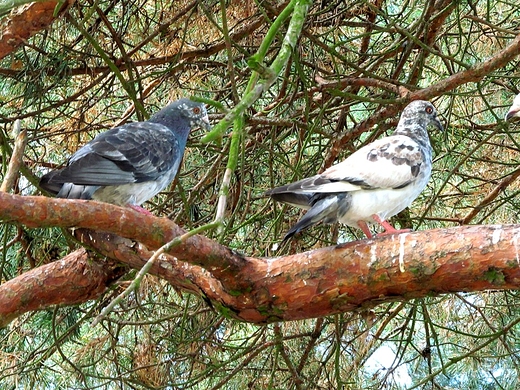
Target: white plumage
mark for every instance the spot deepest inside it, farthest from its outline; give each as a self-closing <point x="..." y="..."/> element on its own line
<point x="514" y="110"/>
<point x="374" y="183"/>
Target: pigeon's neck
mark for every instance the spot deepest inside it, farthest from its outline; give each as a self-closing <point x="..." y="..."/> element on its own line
<point x="179" y="125"/>
<point x="416" y="130"/>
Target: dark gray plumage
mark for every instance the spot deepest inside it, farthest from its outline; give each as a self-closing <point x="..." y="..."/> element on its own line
<point x="129" y="164"/>
<point x="374" y="183"/>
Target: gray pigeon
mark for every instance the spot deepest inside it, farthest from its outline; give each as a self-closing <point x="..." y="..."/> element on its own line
<point x="374" y="183"/>
<point x="514" y="111"/>
<point x="129" y="164"/>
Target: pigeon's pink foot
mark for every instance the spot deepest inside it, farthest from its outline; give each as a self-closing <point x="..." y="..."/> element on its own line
<point x="139" y="209"/>
<point x="363" y="226"/>
<point x="389" y="229"/>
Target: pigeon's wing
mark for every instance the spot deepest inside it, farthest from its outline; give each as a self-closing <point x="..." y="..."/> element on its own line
<point x="391" y="162"/>
<point x="133" y="153"/>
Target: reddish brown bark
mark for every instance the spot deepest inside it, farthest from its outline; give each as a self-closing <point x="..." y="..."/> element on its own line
<point x="25" y="22"/>
<point x="40" y="211"/>
<point x="305" y="285"/>
<point x="71" y="280"/>
<point x="182" y="275"/>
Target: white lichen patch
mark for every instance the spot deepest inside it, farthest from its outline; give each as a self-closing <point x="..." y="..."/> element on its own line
<point x="495" y="238"/>
<point x="515" y="244"/>
<point x="373" y="254"/>
<point x="402" y="240"/>
<point x="269" y="263"/>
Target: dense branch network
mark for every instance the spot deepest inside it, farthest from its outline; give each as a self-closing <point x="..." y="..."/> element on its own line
<point x="233" y="281"/>
<point x="339" y="85"/>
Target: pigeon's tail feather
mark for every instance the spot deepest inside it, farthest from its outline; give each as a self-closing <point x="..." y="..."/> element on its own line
<point x="66" y="190"/>
<point x="292" y="198"/>
<point x="300" y="187"/>
<point x="73" y="191"/>
<point x="325" y="209"/>
<point x="304" y="223"/>
<point x="47" y="184"/>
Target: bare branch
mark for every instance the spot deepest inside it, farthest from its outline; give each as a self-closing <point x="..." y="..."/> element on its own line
<point x="20" y="141"/>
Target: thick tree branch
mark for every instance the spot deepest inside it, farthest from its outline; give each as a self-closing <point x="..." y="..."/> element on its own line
<point x="69" y="281"/>
<point x="39" y="211"/>
<point x="305" y="285"/>
<point x="25" y="22"/>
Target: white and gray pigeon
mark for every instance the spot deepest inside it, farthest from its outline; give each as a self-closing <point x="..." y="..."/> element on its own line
<point x="514" y="110"/>
<point x="129" y="164"/>
<point x="374" y="183"/>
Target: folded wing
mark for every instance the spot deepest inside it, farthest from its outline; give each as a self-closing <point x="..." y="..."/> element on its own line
<point x="391" y="162"/>
<point x="133" y="153"/>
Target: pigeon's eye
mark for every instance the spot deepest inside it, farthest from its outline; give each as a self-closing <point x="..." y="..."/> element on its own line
<point x="429" y="110"/>
<point x="196" y="110"/>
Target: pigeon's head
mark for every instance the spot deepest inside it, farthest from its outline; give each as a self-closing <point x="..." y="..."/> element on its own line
<point x="422" y="112"/>
<point x="514" y="111"/>
<point x="181" y="112"/>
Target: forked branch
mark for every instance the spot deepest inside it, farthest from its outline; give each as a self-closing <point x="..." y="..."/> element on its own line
<point x="304" y="285"/>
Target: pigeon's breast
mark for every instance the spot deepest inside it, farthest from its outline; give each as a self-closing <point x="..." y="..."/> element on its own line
<point x="133" y="193"/>
<point x="385" y="202"/>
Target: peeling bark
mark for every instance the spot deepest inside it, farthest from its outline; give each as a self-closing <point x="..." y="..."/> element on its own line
<point x="305" y="285"/>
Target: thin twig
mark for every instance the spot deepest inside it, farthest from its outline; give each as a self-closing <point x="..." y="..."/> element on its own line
<point x="144" y="270"/>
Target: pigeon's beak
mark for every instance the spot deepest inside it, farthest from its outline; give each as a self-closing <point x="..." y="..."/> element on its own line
<point x="204" y="123"/>
<point x="437" y="123"/>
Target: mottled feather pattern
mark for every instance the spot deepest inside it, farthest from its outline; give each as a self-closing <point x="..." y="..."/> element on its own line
<point x="400" y="151"/>
<point x="374" y="183"/>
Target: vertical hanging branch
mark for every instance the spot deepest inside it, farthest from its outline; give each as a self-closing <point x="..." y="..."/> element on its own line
<point x="20" y="141"/>
<point x="254" y="89"/>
